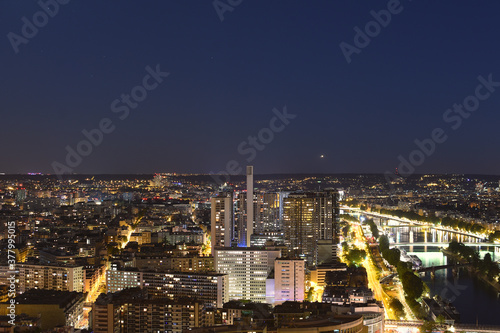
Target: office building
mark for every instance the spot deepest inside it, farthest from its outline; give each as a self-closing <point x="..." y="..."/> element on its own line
<point x="268" y="213"/>
<point x="307" y="218"/>
<point x="247" y="270"/>
<point x="266" y="237"/>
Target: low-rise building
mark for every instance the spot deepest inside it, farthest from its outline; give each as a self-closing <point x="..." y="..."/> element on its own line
<point x="53" y="307"/>
<point x="208" y="288"/>
<point x="51" y="277"/>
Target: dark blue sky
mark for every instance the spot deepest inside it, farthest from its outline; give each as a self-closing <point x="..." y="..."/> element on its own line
<point x="226" y="77"/>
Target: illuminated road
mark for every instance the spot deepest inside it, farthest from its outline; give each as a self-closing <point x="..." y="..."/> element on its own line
<point x="131" y="231"/>
<point x="374" y="284"/>
<point x="373" y="281"/>
<point x="100" y="285"/>
<point x="371" y="272"/>
<point x="127" y="239"/>
<point x="97" y="287"/>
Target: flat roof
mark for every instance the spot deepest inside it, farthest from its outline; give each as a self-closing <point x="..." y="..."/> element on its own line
<point x="44" y="296"/>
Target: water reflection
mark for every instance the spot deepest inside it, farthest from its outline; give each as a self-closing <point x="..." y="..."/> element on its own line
<point x="417" y="234"/>
<point x="474" y="299"/>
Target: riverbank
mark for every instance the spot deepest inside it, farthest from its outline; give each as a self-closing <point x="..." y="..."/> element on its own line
<point x="473" y="270"/>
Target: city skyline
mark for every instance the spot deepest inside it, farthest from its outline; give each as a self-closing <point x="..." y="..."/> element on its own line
<point x="248" y="166"/>
<point x="173" y="252"/>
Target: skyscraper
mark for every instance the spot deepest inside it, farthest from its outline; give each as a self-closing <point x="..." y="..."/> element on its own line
<point x="250" y="215"/>
<point x="265" y="215"/>
<point x="267" y="212"/>
<point x="307" y="218"/>
<point x="222" y="219"/>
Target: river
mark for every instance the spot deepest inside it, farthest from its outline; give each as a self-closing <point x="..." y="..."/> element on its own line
<point x="474" y="299"/>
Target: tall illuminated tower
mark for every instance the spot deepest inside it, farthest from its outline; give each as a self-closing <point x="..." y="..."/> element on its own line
<point x="309" y="218"/>
<point x="249" y="228"/>
<point x="222" y="219"/>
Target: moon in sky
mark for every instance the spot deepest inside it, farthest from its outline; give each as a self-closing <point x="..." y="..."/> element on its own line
<point x="322" y="156"/>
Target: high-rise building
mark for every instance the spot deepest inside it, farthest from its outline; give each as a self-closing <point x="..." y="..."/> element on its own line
<point x="260" y="214"/>
<point x="248" y="212"/>
<point x="250" y="207"/>
<point x="307" y="218"/>
<point x="269" y="213"/>
<point x="247" y="269"/>
<point x="289" y="280"/>
<point x="222" y="219"/>
<point x="241" y="217"/>
<point x="266" y="212"/>
<point x="52" y="277"/>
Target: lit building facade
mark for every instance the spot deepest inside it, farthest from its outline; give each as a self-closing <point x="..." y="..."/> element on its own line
<point x="208" y="288"/>
<point x="52" y="277"/>
<point x="131" y="311"/>
<point x="247" y="270"/>
<point x="289" y="276"/>
<point x="307" y="218"/>
<point x="222" y="219"/>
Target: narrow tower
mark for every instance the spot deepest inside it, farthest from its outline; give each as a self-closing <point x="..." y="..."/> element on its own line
<point x="249" y="204"/>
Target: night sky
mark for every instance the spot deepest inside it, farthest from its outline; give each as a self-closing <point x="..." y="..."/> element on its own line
<point x="226" y="77"/>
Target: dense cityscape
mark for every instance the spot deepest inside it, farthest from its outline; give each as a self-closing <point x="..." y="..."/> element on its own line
<point x="185" y="253"/>
<point x="249" y="166"/>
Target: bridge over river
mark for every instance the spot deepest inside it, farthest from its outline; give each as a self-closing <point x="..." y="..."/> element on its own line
<point x="435" y="268"/>
<point x="444" y="244"/>
<point x="432" y="235"/>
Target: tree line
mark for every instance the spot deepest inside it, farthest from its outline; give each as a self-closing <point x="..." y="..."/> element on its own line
<point x="486" y="266"/>
<point x="412" y="284"/>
